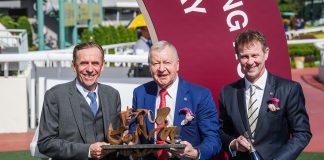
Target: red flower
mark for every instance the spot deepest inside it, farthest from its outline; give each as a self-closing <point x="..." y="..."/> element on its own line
<point x="273" y="104"/>
<point x="188" y="113"/>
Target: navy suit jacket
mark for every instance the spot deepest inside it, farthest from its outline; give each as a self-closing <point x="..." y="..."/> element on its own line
<point x="203" y="131"/>
<point x="280" y="135"/>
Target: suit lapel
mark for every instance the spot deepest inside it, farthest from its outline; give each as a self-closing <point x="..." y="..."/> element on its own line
<point x="150" y="100"/>
<point x="75" y="100"/>
<point x="181" y="101"/>
<point x="105" y="105"/>
<point x="268" y="93"/>
<point x="242" y="106"/>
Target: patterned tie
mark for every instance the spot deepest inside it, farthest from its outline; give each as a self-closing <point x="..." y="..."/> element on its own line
<point x="93" y="103"/>
<point x="162" y="154"/>
<point x="253" y="110"/>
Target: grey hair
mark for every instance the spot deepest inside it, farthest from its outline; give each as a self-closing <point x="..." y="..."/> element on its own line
<point x="161" y="45"/>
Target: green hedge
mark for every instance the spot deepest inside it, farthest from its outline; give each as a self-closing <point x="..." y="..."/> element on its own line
<point x="105" y="35"/>
<point x="8" y="22"/>
<point x="21" y="23"/>
<point x="304" y="50"/>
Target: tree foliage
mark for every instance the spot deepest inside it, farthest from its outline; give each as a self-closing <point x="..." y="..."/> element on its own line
<point x="294" y="6"/>
<point x="23" y="23"/>
<point x="8" y="22"/>
<point x="105" y="35"/>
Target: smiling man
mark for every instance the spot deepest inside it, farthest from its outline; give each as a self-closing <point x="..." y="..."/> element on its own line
<point x="269" y="109"/>
<point x="76" y="114"/>
<point x="199" y="132"/>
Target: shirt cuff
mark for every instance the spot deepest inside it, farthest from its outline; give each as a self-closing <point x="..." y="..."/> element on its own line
<point x="89" y="155"/>
<point x="199" y="154"/>
<point x="233" y="152"/>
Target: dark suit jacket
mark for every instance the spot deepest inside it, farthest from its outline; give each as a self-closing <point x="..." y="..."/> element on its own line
<point x="202" y="132"/>
<point x="61" y="129"/>
<point x="279" y="135"/>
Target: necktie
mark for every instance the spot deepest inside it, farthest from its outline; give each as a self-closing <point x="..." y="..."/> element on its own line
<point x="149" y="42"/>
<point x="93" y="103"/>
<point x="253" y="110"/>
<point x="162" y="154"/>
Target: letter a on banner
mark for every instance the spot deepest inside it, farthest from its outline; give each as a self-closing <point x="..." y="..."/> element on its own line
<point x="203" y="31"/>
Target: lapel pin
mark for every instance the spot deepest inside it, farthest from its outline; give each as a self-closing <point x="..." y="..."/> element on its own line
<point x="185" y="99"/>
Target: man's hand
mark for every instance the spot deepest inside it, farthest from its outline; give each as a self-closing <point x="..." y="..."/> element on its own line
<point x="187" y="152"/>
<point x="240" y="144"/>
<point x="96" y="151"/>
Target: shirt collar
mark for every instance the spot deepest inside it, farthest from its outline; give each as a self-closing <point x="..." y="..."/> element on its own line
<point x="172" y="90"/>
<point x="144" y="39"/>
<point x="83" y="90"/>
<point x="260" y="83"/>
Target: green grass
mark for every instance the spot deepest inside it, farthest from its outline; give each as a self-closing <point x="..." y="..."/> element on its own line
<point x="19" y="155"/>
<point x="25" y="155"/>
<point x="310" y="156"/>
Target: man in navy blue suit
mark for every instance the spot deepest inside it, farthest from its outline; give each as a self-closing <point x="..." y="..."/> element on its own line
<point x="270" y="109"/>
<point x="199" y="131"/>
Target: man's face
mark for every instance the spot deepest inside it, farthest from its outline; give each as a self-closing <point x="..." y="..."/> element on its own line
<point x="88" y="66"/>
<point x="145" y="33"/>
<point x="164" y="67"/>
<point x="252" y="60"/>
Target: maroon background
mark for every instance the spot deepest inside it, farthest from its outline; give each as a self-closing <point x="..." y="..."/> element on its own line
<point x="205" y="44"/>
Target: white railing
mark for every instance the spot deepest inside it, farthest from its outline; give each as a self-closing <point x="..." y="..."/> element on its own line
<point x="123" y="54"/>
<point x="13" y="37"/>
<point x="292" y="33"/>
<point x="304" y="41"/>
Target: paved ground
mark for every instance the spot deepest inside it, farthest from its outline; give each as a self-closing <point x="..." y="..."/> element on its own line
<point x="314" y="94"/>
<point x="313" y="90"/>
<point x="15" y="141"/>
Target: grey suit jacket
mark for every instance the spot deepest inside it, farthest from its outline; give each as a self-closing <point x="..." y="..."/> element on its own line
<point x="279" y="135"/>
<point x="61" y="130"/>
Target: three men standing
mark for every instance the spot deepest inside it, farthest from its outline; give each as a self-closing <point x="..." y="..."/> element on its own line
<point x="269" y="109"/>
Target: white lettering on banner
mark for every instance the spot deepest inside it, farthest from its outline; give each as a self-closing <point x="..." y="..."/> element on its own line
<point x="229" y="6"/>
<point x="193" y="7"/>
<point x="236" y="26"/>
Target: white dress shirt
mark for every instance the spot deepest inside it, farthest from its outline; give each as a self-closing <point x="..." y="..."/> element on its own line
<point x="260" y="86"/>
<point x="84" y="92"/>
<point x="141" y="47"/>
<point x="171" y="98"/>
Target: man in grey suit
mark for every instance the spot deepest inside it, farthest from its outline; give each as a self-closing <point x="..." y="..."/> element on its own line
<point x="76" y="114"/>
<point x="269" y="108"/>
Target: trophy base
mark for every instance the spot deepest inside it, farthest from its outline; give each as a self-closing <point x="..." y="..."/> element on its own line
<point x="141" y="150"/>
<point x="143" y="146"/>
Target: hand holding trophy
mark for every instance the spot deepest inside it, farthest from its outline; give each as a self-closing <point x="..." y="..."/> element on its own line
<point x="253" y="153"/>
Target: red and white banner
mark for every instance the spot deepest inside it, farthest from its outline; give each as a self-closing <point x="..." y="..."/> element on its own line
<point x="203" y="31"/>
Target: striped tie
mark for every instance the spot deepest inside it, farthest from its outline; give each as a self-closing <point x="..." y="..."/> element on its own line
<point x="253" y="110"/>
